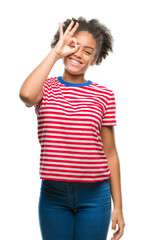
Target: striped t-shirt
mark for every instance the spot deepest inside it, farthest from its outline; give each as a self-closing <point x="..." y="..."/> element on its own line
<point x="70" y="117"/>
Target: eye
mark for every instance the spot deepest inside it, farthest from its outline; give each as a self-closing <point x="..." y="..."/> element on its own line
<point x="87" y="52"/>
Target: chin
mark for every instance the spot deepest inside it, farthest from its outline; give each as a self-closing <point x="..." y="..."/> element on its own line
<point x="74" y="71"/>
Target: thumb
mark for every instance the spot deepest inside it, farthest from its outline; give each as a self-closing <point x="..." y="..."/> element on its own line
<point x="75" y="48"/>
<point x="113" y="224"/>
<point x="73" y="44"/>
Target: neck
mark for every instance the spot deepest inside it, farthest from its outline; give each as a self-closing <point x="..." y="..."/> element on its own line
<point x="68" y="77"/>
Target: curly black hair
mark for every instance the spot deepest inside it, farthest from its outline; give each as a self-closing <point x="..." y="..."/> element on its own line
<point x="100" y="33"/>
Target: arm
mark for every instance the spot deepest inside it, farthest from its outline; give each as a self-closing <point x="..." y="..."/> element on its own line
<point x="31" y="90"/>
<point x="107" y="135"/>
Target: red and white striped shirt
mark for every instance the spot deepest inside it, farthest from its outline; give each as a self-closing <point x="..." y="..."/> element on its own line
<point x="70" y="117"/>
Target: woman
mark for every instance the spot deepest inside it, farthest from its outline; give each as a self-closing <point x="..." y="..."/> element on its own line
<point x="79" y="164"/>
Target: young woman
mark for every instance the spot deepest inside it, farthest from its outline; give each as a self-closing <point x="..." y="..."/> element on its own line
<point x="79" y="164"/>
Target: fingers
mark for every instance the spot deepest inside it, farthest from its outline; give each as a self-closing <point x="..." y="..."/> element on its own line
<point x="114" y="224"/>
<point x="67" y="44"/>
<point x="60" y="29"/>
<point x="114" y="228"/>
<point x="69" y="29"/>
<point x="72" y="41"/>
<point x="74" y="29"/>
<point x="73" y="44"/>
<point x="117" y="235"/>
<point x="117" y="218"/>
<point x="75" y="49"/>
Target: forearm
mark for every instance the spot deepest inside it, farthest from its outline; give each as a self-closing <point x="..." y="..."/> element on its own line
<point x="34" y="82"/>
<point x="114" y="166"/>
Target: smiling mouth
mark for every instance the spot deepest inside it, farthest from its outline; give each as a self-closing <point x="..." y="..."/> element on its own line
<point x="75" y="62"/>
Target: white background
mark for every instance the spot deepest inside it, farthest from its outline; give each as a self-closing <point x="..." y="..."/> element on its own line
<point x="27" y="28"/>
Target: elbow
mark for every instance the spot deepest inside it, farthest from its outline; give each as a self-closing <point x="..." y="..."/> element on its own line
<point x="25" y="97"/>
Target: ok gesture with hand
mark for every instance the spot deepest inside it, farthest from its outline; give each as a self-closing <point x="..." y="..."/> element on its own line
<point x="67" y="44"/>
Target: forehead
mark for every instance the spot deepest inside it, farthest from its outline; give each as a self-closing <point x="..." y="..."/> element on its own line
<point x="85" y="38"/>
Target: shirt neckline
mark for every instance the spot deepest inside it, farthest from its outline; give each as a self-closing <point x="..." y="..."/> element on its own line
<point x="73" y="84"/>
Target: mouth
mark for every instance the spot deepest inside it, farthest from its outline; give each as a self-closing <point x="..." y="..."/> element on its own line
<point x="75" y="62"/>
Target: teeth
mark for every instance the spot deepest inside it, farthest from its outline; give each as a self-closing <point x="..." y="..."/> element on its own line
<point x="74" y="61"/>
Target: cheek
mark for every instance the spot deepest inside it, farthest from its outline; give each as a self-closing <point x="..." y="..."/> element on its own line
<point x="89" y="60"/>
<point x="65" y="60"/>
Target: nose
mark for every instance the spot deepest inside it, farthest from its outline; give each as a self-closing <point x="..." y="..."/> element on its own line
<point x="78" y="54"/>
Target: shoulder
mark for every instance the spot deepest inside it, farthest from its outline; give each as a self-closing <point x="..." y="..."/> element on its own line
<point x="51" y="79"/>
<point x="103" y="89"/>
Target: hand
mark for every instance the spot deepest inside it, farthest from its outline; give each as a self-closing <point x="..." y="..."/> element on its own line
<point x="117" y="218"/>
<point x="67" y="44"/>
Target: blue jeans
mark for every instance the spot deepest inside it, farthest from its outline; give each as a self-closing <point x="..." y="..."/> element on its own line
<point x="74" y="210"/>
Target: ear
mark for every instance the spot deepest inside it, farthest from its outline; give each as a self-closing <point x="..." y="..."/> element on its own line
<point x="94" y="61"/>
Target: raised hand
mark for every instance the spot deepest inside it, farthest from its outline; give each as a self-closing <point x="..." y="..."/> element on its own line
<point x="67" y="44"/>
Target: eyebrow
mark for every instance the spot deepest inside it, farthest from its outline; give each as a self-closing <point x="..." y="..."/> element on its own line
<point x="89" y="47"/>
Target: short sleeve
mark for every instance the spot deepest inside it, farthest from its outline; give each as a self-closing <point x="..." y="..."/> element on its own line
<point x="46" y="89"/>
<point x="109" y="117"/>
<point x="37" y="105"/>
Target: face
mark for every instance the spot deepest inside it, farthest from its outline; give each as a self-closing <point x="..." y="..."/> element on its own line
<point x="78" y="62"/>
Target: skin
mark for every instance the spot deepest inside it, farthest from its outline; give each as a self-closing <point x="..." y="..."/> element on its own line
<point x="77" y="51"/>
<point x="84" y="57"/>
<point x="109" y="147"/>
<point x="85" y="46"/>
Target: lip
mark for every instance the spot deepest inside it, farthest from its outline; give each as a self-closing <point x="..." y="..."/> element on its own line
<point x="75" y="61"/>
